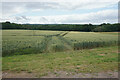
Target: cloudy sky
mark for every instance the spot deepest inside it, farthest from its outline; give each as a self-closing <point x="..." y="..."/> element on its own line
<point x="59" y="11"/>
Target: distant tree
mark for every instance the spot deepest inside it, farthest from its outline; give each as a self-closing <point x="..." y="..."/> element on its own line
<point x="7" y="22"/>
<point x="99" y="29"/>
<point x="105" y="27"/>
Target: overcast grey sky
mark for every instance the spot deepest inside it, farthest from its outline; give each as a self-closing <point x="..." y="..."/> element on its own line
<point x="60" y="11"/>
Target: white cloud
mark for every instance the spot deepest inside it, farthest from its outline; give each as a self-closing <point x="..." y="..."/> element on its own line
<point x="12" y="10"/>
<point x="9" y="9"/>
<point x="105" y="16"/>
<point x="58" y="0"/>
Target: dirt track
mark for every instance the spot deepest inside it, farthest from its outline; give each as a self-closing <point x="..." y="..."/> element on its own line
<point x="61" y="74"/>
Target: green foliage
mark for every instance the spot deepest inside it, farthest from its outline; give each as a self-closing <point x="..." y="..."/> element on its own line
<point x="107" y="28"/>
<point x="63" y="27"/>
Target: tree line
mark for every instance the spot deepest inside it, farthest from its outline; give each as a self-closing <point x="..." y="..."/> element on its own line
<point x="105" y="27"/>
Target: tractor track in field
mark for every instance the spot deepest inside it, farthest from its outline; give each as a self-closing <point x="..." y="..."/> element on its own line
<point x="66" y="42"/>
<point x="46" y="43"/>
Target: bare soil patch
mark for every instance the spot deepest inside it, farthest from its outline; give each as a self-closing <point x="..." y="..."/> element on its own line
<point x="61" y="74"/>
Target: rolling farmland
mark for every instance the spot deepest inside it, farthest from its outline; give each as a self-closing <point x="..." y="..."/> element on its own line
<point x="66" y="39"/>
<point x="59" y="54"/>
<point x="17" y="42"/>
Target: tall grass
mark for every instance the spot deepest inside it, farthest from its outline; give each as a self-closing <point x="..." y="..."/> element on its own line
<point x="58" y="48"/>
<point x="56" y="42"/>
<point x="90" y="45"/>
<point x="32" y="47"/>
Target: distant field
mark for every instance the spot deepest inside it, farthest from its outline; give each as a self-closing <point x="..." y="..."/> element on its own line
<point x="91" y="36"/>
<point x="113" y="33"/>
<point x="17" y="42"/>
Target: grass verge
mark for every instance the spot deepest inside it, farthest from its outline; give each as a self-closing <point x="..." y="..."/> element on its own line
<point x="85" y="61"/>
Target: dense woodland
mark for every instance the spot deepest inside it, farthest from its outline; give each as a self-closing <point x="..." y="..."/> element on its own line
<point x="64" y="27"/>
